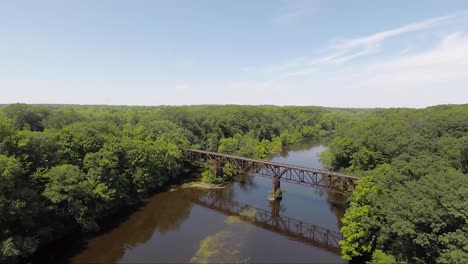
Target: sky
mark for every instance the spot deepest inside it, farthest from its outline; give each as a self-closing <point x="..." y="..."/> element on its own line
<point x="327" y="53"/>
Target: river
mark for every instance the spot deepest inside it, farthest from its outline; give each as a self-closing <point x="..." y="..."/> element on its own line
<point x="184" y="225"/>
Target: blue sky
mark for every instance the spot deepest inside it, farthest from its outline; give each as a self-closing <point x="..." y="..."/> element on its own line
<point x="329" y="53"/>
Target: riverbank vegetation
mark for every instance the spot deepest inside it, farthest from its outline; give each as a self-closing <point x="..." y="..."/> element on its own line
<point x="411" y="205"/>
<point x="64" y="168"/>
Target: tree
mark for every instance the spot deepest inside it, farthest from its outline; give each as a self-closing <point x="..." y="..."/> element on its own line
<point x="72" y="193"/>
<point x="411" y="206"/>
<point x="360" y="222"/>
<point x="19" y="210"/>
<point x="26" y="117"/>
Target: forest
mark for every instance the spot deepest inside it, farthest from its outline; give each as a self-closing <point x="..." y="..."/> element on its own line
<point x="410" y="206"/>
<point x="64" y="169"/>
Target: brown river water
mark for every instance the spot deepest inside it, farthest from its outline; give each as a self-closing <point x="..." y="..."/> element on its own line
<point x="236" y="224"/>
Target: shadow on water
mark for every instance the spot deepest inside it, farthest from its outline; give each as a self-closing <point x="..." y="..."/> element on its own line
<point x="61" y="250"/>
<point x="161" y="213"/>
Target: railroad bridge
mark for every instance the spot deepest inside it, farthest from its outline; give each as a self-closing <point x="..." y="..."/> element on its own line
<point x="333" y="181"/>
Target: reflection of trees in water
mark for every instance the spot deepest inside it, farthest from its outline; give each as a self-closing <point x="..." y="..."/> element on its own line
<point x="163" y="212"/>
<point x="246" y="182"/>
<point x="302" y="145"/>
<point x="337" y="203"/>
<point x="223" y="196"/>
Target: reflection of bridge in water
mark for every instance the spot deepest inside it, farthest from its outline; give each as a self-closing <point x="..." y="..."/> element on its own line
<point x="273" y="221"/>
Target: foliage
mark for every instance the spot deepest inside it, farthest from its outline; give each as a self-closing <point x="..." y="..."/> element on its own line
<point x="411" y="204"/>
<point x="73" y="193"/>
<point x="359" y="222"/>
<point x="379" y="257"/>
<point x="278" y="193"/>
<point x="209" y="177"/>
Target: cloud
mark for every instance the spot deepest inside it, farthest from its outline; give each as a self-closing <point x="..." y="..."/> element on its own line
<point x="388" y="74"/>
<point x="445" y="64"/>
<point x="379" y="37"/>
<point x="344" y="51"/>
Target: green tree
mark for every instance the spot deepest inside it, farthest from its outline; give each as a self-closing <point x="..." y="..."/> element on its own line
<point x="19" y="211"/>
<point x="360" y="222"/>
<point x="72" y="193"/>
<point x="26" y="117"/>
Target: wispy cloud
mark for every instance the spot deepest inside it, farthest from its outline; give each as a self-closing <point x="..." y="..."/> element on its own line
<point x="345" y="51"/>
<point x="444" y="64"/>
<point x="377" y="38"/>
<point x="388" y="70"/>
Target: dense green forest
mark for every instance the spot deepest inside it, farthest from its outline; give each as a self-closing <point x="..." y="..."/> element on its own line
<point x="411" y="205"/>
<point x="63" y="168"/>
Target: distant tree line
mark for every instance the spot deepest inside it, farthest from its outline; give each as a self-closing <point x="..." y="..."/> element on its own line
<point x="63" y="168"/>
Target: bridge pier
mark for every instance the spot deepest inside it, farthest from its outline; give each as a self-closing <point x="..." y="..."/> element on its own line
<point x="275" y="186"/>
<point x="275" y="172"/>
<point x="219" y="169"/>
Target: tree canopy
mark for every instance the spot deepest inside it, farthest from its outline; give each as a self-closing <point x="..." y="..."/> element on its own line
<point x="411" y="204"/>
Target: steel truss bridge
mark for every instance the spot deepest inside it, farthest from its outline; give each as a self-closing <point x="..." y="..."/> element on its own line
<point x="333" y="181"/>
<point x="273" y="221"/>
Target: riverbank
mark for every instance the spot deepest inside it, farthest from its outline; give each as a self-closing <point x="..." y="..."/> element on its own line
<point x="202" y="185"/>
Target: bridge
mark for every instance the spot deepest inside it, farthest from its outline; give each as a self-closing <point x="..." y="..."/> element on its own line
<point x="273" y="221"/>
<point x="333" y="181"/>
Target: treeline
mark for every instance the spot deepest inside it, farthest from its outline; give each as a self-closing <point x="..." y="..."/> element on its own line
<point x="63" y="168"/>
<point x="411" y="206"/>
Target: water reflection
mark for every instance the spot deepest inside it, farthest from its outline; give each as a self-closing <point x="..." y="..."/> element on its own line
<point x="301" y="146"/>
<point x="273" y="220"/>
<point x="162" y="213"/>
<point x="246" y="183"/>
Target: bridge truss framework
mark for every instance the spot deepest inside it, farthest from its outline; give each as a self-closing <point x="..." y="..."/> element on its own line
<point x="333" y="181"/>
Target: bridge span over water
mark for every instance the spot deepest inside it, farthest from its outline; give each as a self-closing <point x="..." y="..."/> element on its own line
<point x="333" y="181"/>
